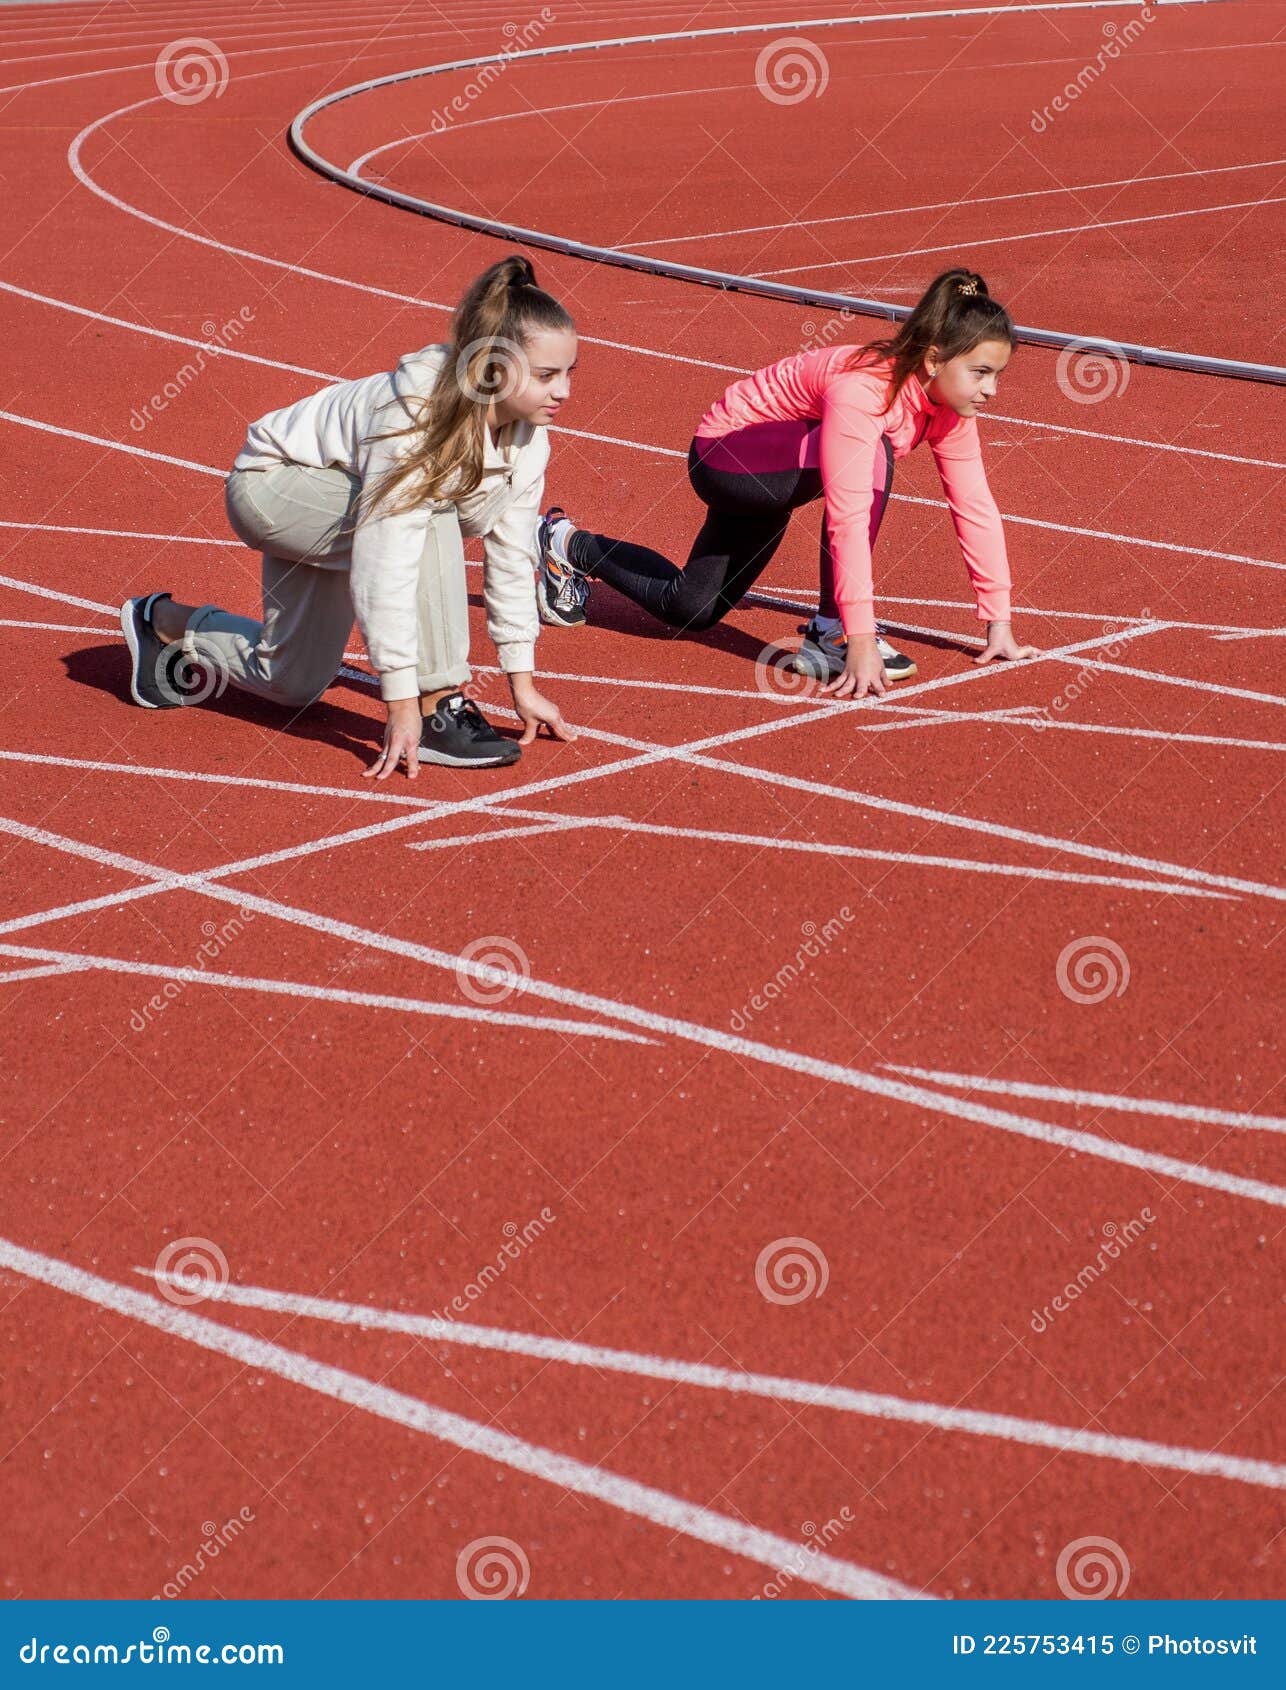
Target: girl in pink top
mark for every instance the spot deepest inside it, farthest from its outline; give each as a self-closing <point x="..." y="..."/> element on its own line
<point x="826" y="424"/>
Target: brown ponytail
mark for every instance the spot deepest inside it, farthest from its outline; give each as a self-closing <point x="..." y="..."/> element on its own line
<point x="490" y="329"/>
<point x="955" y="313"/>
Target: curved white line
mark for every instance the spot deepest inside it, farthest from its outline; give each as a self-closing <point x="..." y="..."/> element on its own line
<point x="87" y="181"/>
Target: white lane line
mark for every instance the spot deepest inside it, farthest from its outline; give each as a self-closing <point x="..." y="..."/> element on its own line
<point x="1099" y="1099"/>
<point x="60" y="627"/>
<point x="951" y="205"/>
<point x="79" y="961"/>
<point x="972" y="824"/>
<point x="87" y="181"/>
<point x="1043" y="724"/>
<point x="212" y="347"/>
<point x="691" y="753"/>
<point x="115" y="534"/>
<point x="240" y="44"/>
<point x="710" y="1038"/>
<point x="1100" y="665"/>
<point x="773" y="1387"/>
<point x="357" y="794"/>
<point x="1227" y="630"/>
<point x="62" y="598"/>
<point x="1109" y="668"/>
<point x="11" y="976"/>
<point x="1108" y="534"/>
<point x="640" y="1501"/>
<point x="1102" y="619"/>
<point x="1033" y="235"/>
<point x="386" y="39"/>
<point x="110" y="445"/>
<point x="671" y="452"/>
<point x="765" y="842"/>
<point x="475" y="18"/>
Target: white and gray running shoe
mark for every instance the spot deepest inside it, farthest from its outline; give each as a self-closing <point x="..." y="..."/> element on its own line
<point x="563" y="590"/>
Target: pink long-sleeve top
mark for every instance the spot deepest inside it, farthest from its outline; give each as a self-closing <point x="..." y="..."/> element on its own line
<point x="843" y="417"/>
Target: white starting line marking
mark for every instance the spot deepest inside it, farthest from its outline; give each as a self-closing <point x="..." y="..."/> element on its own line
<point x="794" y="1062"/>
<point x="873" y="1405"/>
<point x="549" y="823"/>
<point x="643" y="1502"/>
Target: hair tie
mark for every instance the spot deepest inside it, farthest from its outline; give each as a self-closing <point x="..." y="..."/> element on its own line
<point x="967" y="288"/>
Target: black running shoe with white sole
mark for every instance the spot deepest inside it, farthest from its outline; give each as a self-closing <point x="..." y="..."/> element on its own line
<point x="460" y="736"/>
<point x="563" y="590"/>
<point x="151" y="682"/>
<point x="822" y="655"/>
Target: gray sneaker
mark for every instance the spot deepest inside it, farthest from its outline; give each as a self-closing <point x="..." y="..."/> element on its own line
<point x="152" y="681"/>
<point x="822" y="655"/>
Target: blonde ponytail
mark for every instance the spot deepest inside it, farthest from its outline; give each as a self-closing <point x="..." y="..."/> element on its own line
<point x="486" y="361"/>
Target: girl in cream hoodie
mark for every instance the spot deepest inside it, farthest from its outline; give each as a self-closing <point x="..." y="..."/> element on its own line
<point x="357" y="496"/>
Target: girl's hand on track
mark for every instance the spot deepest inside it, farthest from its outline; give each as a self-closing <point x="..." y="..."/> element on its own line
<point x="401" y="739"/>
<point x="1001" y="643"/>
<point x="537" y="710"/>
<point x="863" y="671"/>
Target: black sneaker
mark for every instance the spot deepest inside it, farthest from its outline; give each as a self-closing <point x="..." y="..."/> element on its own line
<point x="822" y="655"/>
<point x="563" y="590"/>
<point x="152" y="681"/>
<point x="459" y="735"/>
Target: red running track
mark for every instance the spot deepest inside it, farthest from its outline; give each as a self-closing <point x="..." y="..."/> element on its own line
<point x="757" y="914"/>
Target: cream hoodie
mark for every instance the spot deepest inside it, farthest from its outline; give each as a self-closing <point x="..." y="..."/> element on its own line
<point x="334" y="428"/>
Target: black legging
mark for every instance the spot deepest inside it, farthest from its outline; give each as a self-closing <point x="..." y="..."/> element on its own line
<point x="747" y="517"/>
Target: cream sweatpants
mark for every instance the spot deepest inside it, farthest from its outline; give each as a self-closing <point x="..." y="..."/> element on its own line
<point x="301" y="519"/>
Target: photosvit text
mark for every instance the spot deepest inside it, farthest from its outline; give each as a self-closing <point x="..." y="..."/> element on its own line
<point x="1104" y="1643"/>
